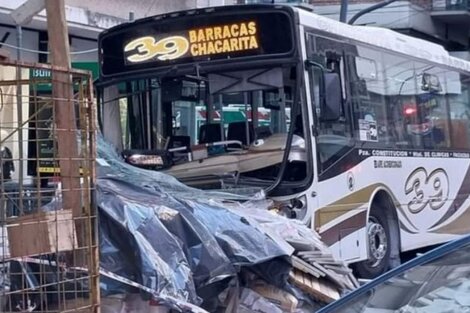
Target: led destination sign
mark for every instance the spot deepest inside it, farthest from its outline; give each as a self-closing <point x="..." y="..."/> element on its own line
<point x="151" y="43"/>
<point x="197" y="42"/>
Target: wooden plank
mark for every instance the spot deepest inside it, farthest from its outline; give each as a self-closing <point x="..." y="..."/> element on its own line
<point x="329" y="291"/>
<point x="305" y="267"/>
<point x="23" y="14"/>
<point x="300" y="245"/>
<point x="316" y="259"/>
<point x="342" y="282"/>
<point x="64" y="117"/>
<point x="319" y="289"/>
<point x="334" y="262"/>
<point x="315" y="253"/>
<point x="338" y="269"/>
<point x="354" y="281"/>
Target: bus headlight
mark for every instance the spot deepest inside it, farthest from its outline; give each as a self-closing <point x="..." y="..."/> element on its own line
<point x="292" y="208"/>
<point x="299" y="206"/>
<point x="146" y="160"/>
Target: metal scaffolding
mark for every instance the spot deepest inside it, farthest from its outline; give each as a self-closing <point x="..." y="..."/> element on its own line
<point x="48" y="236"/>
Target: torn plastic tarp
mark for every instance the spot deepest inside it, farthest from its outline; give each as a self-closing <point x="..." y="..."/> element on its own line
<point x="132" y="217"/>
<point x="212" y="239"/>
<point x="136" y="245"/>
<point x="286" y="232"/>
<point x="243" y="242"/>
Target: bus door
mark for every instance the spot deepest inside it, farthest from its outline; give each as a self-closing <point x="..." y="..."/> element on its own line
<point x="335" y="142"/>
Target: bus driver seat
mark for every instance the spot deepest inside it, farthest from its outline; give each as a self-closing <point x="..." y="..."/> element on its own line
<point x="210" y="133"/>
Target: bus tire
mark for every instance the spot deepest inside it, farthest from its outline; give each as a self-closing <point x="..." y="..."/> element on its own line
<point x="380" y="240"/>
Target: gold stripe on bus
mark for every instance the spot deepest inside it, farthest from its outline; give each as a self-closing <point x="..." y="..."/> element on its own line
<point x="344" y="205"/>
<point x="459" y="226"/>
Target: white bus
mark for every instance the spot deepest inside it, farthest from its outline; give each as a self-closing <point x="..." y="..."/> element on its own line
<point x="376" y="159"/>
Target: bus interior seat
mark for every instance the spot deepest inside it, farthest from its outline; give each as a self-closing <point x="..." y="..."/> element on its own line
<point x="237" y="131"/>
<point x="262" y="132"/>
<point x="210" y="133"/>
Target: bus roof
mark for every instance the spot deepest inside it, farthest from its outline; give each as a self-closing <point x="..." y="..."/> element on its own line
<point x="384" y="38"/>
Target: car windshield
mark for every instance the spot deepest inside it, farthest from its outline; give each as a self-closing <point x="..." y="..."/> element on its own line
<point x="439" y="286"/>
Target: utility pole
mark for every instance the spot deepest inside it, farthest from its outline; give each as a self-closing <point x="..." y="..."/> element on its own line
<point x="64" y="117"/>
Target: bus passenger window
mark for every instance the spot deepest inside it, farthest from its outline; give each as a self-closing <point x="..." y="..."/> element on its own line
<point x="458" y="99"/>
<point x="431" y="107"/>
<point x="368" y="97"/>
<point x="417" y="109"/>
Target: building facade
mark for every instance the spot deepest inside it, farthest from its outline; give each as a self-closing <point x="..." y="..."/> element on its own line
<point x="445" y="22"/>
<point x="86" y="19"/>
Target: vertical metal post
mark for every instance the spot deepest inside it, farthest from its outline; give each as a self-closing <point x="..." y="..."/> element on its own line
<point x="209" y="106"/>
<point x="247" y="126"/>
<point x="19" y="111"/>
<point x="257" y="100"/>
<point x="221" y="114"/>
<point x="343" y="14"/>
<point x="282" y="123"/>
<point x="159" y="120"/>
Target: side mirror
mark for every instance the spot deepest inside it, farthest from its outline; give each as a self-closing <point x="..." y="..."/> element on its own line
<point x="431" y="83"/>
<point x="331" y="104"/>
<point x="330" y="93"/>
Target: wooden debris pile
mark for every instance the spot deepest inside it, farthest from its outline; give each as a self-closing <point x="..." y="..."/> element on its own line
<point x="315" y="271"/>
<point x="319" y="274"/>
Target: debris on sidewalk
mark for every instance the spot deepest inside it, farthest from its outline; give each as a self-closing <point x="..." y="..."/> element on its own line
<point x="166" y="247"/>
<point x="315" y="271"/>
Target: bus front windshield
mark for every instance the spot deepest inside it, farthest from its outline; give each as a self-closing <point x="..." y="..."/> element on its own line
<point x="226" y="126"/>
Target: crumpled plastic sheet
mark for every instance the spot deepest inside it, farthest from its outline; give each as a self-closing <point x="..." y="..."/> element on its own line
<point x="252" y="302"/>
<point x="244" y="242"/>
<point x="197" y="242"/>
<point x="170" y="255"/>
<point x="285" y="231"/>
<point x="135" y="244"/>
<point x="169" y="238"/>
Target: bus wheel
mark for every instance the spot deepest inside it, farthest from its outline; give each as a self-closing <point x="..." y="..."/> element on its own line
<point x="378" y="233"/>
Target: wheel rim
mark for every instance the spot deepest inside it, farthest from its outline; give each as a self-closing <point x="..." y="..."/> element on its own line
<point x="378" y="243"/>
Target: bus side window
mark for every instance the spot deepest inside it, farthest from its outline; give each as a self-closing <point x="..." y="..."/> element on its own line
<point x="397" y="101"/>
<point x="458" y="100"/>
<point x="373" y="124"/>
<point x="399" y="92"/>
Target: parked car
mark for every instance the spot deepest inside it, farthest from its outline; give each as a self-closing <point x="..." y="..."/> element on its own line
<point x="436" y="282"/>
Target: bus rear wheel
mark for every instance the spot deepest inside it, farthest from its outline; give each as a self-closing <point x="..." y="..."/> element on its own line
<point x="379" y="243"/>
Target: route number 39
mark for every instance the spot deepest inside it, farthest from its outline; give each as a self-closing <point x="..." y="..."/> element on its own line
<point x="168" y="48"/>
<point x="423" y="189"/>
